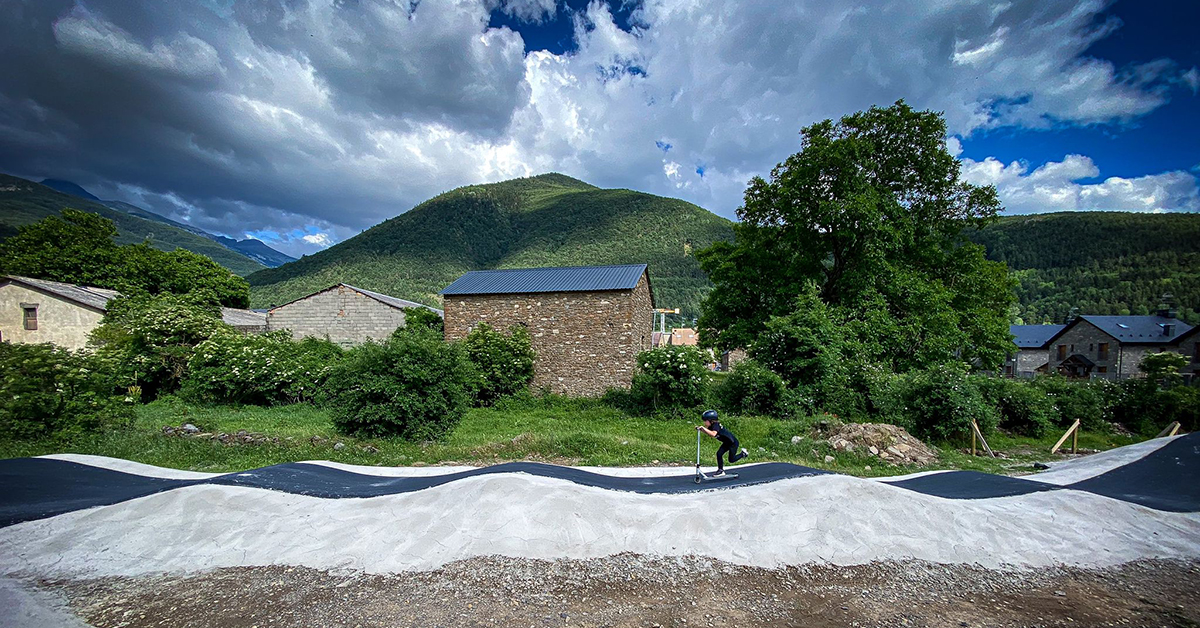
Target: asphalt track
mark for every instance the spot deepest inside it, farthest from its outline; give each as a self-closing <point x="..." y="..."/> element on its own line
<point x="36" y="488"/>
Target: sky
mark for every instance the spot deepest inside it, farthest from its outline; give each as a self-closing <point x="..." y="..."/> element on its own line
<point x="304" y="122"/>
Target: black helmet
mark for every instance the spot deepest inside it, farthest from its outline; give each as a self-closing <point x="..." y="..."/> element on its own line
<point x="709" y="415"/>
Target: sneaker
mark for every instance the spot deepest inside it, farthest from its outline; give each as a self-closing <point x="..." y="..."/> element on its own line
<point x="718" y="474"/>
<point x="744" y="452"/>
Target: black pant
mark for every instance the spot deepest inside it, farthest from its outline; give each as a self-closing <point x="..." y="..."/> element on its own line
<point x="729" y="447"/>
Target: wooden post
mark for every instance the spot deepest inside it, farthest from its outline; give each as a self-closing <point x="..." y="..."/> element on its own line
<point x="976" y="433"/>
<point x="1070" y="430"/>
<point x="972" y="441"/>
<point x="1075" y="441"/>
<point x="1170" y="430"/>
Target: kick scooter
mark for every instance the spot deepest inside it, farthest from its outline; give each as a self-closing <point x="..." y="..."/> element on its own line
<point x="708" y="477"/>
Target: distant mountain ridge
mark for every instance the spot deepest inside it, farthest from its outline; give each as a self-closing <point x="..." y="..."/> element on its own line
<point x="254" y="249"/>
<point x="23" y="202"/>
<point x="547" y="220"/>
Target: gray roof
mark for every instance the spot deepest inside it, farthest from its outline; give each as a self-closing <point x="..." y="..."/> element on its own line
<point x="528" y="280"/>
<point x="243" y="318"/>
<point x="1138" y="330"/>
<point x="385" y="299"/>
<point x="1033" y="336"/>
<point x="96" y="298"/>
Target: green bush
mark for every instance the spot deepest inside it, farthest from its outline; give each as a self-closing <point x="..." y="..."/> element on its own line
<point x="941" y="402"/>
<point x="504" y="362"/>
<point x="415" y="386"/>
<point x="1021" y="407"/>
<point x="423" y="317"/>
<point x="150" y="340"/>
<point x="1142" y="407"/>
<point x="1087" y="402"/>
<point x="751" y="388"/>
<point x="51" y="390"/>
<point x="669" y="377"/>
<point x="265" y="369"/>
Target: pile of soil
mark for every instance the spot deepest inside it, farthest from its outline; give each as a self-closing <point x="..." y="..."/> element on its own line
<point x="889" y="443"/>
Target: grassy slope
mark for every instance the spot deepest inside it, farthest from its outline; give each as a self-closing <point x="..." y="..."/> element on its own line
<point x="1099" y="262"/>
<point x="23" y="202"/>
<point x="549" y="220"/>
<point x="565" y="431"/>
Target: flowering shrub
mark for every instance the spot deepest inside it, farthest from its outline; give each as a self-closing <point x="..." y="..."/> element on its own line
<point x="939" y="403"/>
<point x="415" y="385"/>
<point x="50" y="390"/>
<point x="261" y="369"/>
<point x="504" y="361"/>
<point x="1022" y="408"/>
<point x="669" y="376"/>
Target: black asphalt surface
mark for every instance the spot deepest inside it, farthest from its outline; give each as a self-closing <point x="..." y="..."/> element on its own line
<point x="36" y="488"/>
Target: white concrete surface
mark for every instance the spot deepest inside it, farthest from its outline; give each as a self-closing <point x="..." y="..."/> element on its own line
<point x="24" y="606"/>
<point x="1082" y="468"/>
<point x="828" y="519"/>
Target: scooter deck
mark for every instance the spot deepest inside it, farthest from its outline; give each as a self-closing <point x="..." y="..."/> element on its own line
<point x="709" y="477"/>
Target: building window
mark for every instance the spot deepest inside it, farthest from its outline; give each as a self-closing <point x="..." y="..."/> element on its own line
<point x="30" y="316"/>
<point x="1101" y="369"/>
<point x="1062" y="352"/>
<point x="1196" y="352"/>
<point x="1103" y="354"/>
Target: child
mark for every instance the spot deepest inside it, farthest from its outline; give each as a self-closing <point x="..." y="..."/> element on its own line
<point x="729" y="443"/>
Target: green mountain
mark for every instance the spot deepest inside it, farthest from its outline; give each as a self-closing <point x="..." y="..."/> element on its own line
<point x="23" y="202"/>
<point x="1098" y="262"/>
<point x="542" y="221"/>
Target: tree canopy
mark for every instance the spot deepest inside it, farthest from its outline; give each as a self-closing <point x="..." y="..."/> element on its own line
<point x="869" y="214"/>
<point x="78" y="248"/>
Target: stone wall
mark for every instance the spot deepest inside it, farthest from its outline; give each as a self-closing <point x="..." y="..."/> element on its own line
<point x="586" y="342"/>
<point x="1027" y="361"/>
<point x="345" y="316"/>
<point x="1084" y="339"/>
<point x="63" y="322"/>
<point x="1190" y="349"/>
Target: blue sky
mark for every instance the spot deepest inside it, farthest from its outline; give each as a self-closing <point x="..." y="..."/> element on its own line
<point x="303" y="122"/>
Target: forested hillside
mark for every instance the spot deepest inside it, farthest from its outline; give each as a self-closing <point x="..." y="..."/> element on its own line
<point x="24" y="202"/>
<point x="1098" y="262"/>
<point x="548" y="220"/>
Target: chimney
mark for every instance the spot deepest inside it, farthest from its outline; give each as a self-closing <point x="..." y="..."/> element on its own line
<point x="1166" y="309"/>
<point x="1168" y="329"/>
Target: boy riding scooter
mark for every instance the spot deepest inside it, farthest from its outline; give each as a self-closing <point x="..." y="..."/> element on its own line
<point x="729" y="443"/>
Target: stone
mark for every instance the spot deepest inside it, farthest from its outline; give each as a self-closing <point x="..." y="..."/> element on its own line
<point x="829" y="459"/>
<point x="874" y="450"/>
<point x="796" y="440"/>
<point x="339" y="446"/>
<point x="189" y="428"/>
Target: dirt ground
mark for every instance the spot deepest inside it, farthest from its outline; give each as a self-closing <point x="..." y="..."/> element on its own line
<point x="644" y="592"/>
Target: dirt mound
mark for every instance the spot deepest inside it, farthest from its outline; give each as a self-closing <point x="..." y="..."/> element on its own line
<point x="888" y="442"/>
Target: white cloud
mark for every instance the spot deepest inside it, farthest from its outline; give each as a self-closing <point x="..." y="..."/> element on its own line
<point x="1055" y="186"/>
<point x="279" y="116"/>
<point x="320" y="239"/>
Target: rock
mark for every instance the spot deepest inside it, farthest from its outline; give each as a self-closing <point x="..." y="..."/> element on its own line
<point x="867" y="468"/>
<point x="189" y="428"/>
<point x="339" y="446"/>
<point x="874" y="450"/>
<point x="889" y="442"/>
<point x="796" y="440"/>
<point x="828" y="459"/>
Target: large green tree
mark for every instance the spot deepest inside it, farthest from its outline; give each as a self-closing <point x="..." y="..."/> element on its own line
<point x="870" y="212"/>
<point x="78" y="248"/>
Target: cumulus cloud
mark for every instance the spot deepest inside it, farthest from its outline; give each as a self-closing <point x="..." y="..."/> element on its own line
<point x="1056" y="186"/>
<point x="285" y="115"/>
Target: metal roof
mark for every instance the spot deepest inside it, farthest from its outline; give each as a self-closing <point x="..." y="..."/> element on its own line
<point x="96" y="298"/>
<point x="1137" y="330"/>
<point x="528" y="280"/>
<point x="1033" y="336"/>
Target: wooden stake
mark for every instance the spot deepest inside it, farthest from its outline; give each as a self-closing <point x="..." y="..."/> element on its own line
<point x="972" y="441"/>
<point x="1075" y="441"/>
<point x="1070" y="430"/>
<point x="1171" y="430"/>
<point x="975" y="432"/>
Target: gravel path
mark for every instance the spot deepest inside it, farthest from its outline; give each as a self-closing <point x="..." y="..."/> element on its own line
<point x="638" y="591"/>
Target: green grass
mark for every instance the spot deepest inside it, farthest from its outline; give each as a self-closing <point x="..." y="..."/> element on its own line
<point x="556" y="430"/>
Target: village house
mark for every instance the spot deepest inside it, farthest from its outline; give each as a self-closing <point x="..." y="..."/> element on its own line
<point x="1113" y="346"/>
<point x="344" y="314"/>
<point x="1033" y="349"/>
<point x="38" y="310"/>
<point x="587" y="324"/>
<point x="683" y="337"/>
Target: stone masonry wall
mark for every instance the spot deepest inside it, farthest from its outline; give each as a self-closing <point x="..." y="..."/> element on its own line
<point x="62" y="322"/>
<point x="586" y="342"/>
<point x="345" y="316"/>
<point x="1028" y="361"/>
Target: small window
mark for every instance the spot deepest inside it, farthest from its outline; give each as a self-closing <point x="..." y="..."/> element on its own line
<point x="1102" y="369"/>
<point x="30" y="317"/>
<point x="1103" y="353"/>
<point x="1062" y="352"/>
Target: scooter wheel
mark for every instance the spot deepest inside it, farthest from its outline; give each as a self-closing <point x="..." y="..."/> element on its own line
<point x="696" y="479"/>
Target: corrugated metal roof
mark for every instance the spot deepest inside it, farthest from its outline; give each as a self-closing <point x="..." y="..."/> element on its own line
<point x="1033" y="336"/>
<point x="84" y="295"/>
<point x="527" y="280"/>
<point x="1148" y="330"/>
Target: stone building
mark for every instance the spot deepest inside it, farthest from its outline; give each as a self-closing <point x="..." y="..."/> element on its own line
<point x="1033" y="349"/>
<point x="683" y="337"/>
<point x="39" y="310"/>
<point x="1113" y="346"/>
<point x="1188" y="345"/>
<point x="342" y="313"/>
<point x="588" y="324"/>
